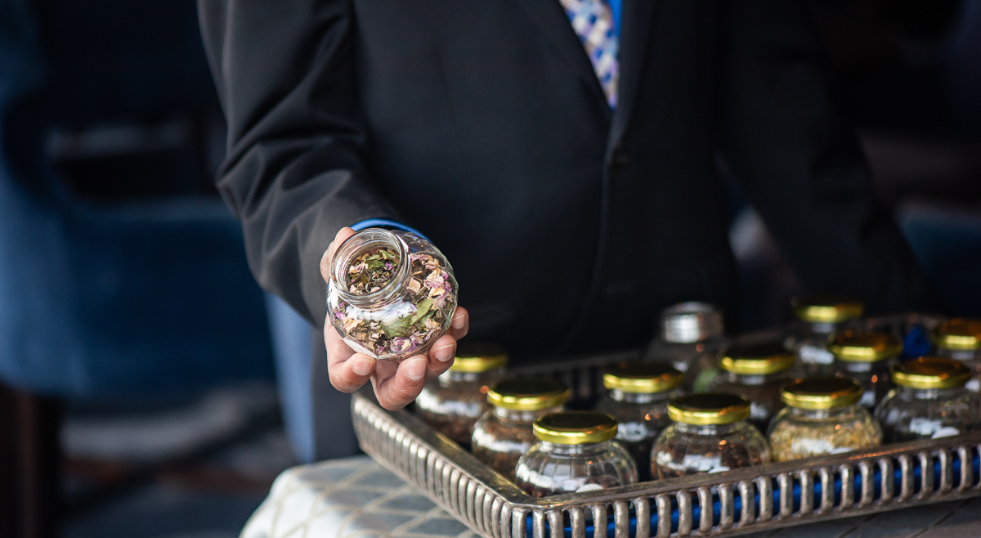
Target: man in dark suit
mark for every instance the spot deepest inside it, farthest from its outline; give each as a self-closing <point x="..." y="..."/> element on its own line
<point x="571" y="215"/>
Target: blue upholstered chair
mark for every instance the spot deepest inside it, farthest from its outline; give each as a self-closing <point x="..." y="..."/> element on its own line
<point x="122" y="273"/>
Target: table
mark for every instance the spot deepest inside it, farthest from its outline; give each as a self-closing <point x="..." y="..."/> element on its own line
<point x="356" y="497"/>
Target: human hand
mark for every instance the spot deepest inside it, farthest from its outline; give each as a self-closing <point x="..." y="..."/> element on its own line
<point x="395" y="383"/>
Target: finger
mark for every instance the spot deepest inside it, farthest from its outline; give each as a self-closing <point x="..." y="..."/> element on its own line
<point x="460" y="325"/>
<point x="398" y="390"/>
<point x="337" y="350"/>
<point x="441" y="356"/>
<point x="351" y="374"/>
<point x="342" y="235"/>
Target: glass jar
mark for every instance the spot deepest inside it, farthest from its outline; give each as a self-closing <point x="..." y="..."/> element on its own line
<point x="575" y="453"/>
<point x="866" y="357"/>
<point x="823" y="416"/>
<point x="453" y="402"/>
<point x="637" y="396"/>
<point x="756" y="372"/>
<point x="960" y="339"/>
<point x="818" y="317"/>
<point x="391" y="293"/>
<point x="690" y="338"/>
<point x="930" y="401"/>
<point x="504" y="433"/>
<point x="710" y="435"/>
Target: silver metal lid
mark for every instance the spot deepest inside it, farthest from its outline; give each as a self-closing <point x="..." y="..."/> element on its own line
<point x="686" y="323"/>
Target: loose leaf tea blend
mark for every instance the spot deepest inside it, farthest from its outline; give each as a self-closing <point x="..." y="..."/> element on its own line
<point x="395" y="300"/>
<point x="372" y="270"/>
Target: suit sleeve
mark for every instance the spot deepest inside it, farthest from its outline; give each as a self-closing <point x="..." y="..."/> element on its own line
<point x="800" y="164"/>
<point x="294" y="173"/>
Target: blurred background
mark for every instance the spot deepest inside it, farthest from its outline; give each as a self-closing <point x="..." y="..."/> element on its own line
<point x="138" y="389"/>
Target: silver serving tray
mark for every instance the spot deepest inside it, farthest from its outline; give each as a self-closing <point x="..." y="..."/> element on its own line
<point x="741" y="501"/>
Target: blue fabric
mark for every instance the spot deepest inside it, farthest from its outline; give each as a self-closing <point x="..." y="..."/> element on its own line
<point x="615" y="7"/>
<point x="291" y="336"/>
<point x="386" y="223"/>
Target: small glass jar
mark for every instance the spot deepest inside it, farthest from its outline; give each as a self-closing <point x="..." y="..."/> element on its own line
<point x="690" y="338"/>
<point x="710" y="435"/>
<point x="391" y="293"/>
<point x="818" y="317"/>
<point x="453" y="402"/>
<point x="637" y="396"/>
<point x="575" y="453"/>
<point x="823" y="416"/>
<point x="756" y="372"/>
<point x="960" y="339"/>
<point x="930" y="401"/>
<point x="504" y="434"/>
<point x="866" y="357"/>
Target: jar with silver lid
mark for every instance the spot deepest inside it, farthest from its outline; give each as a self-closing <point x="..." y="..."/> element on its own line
<point x="504" y="433"/>
<point x="960" y="339"/>
<point x="866" y="357"/>
<point x="823" y="416"/>
<point x="756" y="372"/>
<point x="710" y="434"/>
<point x="575" y="453"/>
<point x="691" y="336"/>
<point x="817" y="318"/>
<point x="929" y="401"/>
<point x="637" y="396"/>
<point x="453" y="402"/>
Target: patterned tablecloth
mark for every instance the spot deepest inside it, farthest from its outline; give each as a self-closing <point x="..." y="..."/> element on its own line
<point x="356" y="497"/>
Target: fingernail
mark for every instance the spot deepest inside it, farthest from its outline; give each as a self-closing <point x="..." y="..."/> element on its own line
<point x="362" y="366"/>
<point x="444" y="353"/>
<point x="458" y="322"/>
<point x="416" y="369"/>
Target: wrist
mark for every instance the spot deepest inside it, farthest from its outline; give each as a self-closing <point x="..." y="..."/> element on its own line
<point x="385" y="223"/>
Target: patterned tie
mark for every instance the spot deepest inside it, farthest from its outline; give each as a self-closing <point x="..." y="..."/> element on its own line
<point x="593" y="22"/>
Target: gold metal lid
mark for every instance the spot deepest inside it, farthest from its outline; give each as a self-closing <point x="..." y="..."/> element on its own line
<point x="822" y="393"/>
<point x="826" y="308"/>
<point x="757" y="359"/>
<point x="931" y="373"/>
<point x="958" y="333"/>
<point x="864" y="346"/>
<point x="642" y="377"/>
<point x="708" y="408"/>
<point x="575" y="427"/>
<point x="528" y="393"/>
<point x="477" y="357"/>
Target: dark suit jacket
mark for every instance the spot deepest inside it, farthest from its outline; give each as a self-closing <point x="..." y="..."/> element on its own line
<point x="482" y="124"/>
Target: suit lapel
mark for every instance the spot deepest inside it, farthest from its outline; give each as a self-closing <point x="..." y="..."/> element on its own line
<point x="638" y="21"/>
<point x="552" y="20"/>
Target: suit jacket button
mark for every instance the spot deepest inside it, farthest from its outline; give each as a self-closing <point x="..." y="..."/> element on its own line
<point x="618" y="158"/>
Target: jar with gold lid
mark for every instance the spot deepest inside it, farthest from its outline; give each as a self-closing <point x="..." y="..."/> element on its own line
<point x="823" y="416"/>
<point x="866" y="357"/>
<point x="575" y="453"/>
<point x="818" y="316"/>
<point x="960" y="339"/>
<point x="690" y="337"/>
<point x="637" y="396"/>
<point x="756" y="372"/>
<point x="929" y="401"/>
<point x="710" y="434"/>
<point x="504" y="433"/>
<point x="453" y="402"/>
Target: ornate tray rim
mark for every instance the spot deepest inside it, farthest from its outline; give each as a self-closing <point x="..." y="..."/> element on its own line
<point x="778" y="494"/>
